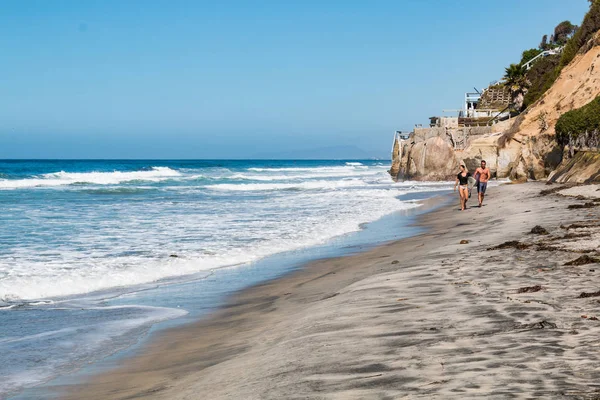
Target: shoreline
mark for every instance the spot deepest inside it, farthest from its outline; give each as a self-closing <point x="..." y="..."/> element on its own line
<point x="330" y="329"/>
<point x="202" y="300"/>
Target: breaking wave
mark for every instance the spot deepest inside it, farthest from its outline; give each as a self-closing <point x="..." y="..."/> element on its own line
<point x="62" y="178"/>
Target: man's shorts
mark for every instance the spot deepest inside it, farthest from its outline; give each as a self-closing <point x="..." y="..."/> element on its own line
<point x="481" y="187"/>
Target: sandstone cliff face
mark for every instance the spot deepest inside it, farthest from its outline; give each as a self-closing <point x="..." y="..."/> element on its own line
<point x="577" y="85"/>
<point x="485" y="148"/>
<point x="500" y="160"/>
<point x="583" y="167"/>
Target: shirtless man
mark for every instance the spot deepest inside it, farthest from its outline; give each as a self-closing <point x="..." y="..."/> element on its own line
<point x="483" y="175"/>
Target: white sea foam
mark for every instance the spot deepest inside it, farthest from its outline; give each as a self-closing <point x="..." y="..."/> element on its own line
<point x="63" y="178"/>
<point x="296" y="175"/>
<point x="299" y="169"/>
<point x="110" y="244"/>
<point x="249" y="240"/>
<point x="306" y="185"/>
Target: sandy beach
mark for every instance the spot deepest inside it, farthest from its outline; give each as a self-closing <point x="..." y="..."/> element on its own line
<point x="500" y="315"/>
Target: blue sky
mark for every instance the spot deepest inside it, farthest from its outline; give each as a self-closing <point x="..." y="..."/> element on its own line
<point x="232" y="79"/>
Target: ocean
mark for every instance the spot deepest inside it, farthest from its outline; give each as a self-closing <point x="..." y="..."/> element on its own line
<point x="96" y="254"/>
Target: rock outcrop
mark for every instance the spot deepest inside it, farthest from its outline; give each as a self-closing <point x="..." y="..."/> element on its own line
<point x="583" y="167"/>
<point x="435" y="153"/>
<point x="396" y="156"/>
<point x="431" y="159"/>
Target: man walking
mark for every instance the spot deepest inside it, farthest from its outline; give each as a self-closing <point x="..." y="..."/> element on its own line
<point x="483" y="175"/>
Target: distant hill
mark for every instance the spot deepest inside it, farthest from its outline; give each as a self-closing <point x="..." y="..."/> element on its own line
<point x="321" y="153"/>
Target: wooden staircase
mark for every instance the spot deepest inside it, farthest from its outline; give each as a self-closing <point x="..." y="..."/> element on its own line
<point x="495" y="98"/>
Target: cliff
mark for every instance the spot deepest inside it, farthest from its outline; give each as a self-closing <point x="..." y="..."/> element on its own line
<point x="539" y="153"/>
<point x="522" y="148"/>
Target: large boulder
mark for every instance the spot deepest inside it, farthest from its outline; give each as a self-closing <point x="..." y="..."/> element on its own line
<point x="432" y="159"/>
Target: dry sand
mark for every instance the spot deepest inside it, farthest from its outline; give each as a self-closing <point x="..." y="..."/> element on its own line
<point x="591" y="191"/>
<point x="426" y="317"/>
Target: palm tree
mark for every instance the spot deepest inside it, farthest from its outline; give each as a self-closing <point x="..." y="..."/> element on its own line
<point x="517" y="83"/>
<point x="514" y="74"/>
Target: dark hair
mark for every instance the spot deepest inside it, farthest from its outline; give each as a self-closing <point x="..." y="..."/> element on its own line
<point x="483" y="161"/>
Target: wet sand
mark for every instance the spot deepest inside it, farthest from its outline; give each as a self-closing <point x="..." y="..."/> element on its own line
<point x="425" y="317"/>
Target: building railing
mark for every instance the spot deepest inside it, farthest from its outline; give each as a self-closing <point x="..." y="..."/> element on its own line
<point x="545" y="53"/>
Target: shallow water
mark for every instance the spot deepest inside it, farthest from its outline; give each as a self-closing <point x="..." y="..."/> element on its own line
<point x="87" y="248"/>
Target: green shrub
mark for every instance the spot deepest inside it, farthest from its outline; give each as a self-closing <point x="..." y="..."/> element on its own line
<point x="529" y="55"/>
<point x="580" y="127"/>
<point x="541" y="77"/>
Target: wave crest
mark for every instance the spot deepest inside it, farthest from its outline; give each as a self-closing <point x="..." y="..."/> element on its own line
<point x="62" y="178"/>
<point x="307" y="185"/>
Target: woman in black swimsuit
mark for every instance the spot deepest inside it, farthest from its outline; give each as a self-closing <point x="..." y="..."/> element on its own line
<point x="462" y="181"/>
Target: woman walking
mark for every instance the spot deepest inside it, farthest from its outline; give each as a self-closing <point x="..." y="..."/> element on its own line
<point x="462" y="181"/>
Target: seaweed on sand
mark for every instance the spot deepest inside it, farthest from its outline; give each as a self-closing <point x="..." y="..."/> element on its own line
<point x="584" y="260"/>
<point x="529" y="289"/>
<point x="538" y="230"/>
<point x="584" y="295"/>
<point x="515" y="244"/>
<point x="589" y="204"/>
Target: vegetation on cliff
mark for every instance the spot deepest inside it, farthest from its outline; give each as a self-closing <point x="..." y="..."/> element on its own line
<point x="563" y="32"/>
<point x="529" y="55"/>
<point x="532" y="84"/>
<point x="589" y="26"/>
<point x="541" y="77"/>
<point x="580" y="127"/>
